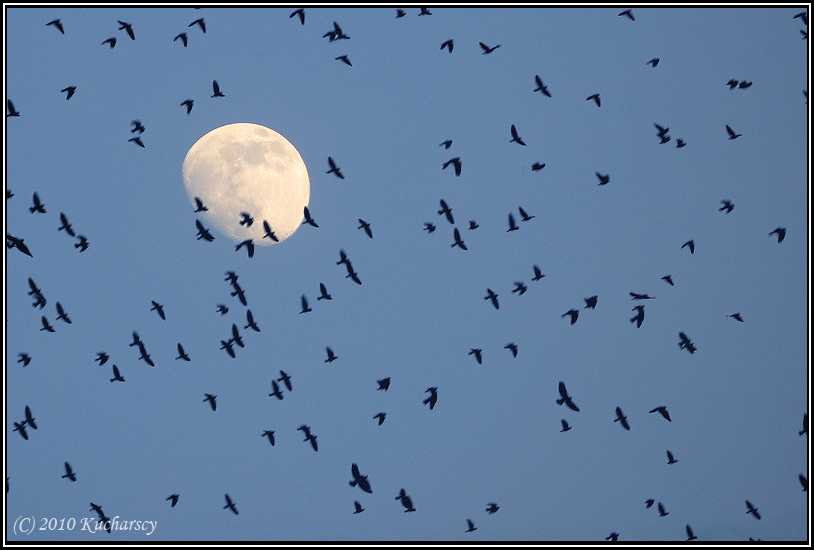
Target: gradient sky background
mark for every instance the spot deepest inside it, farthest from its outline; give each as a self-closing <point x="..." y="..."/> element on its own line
<point x="737" y="404"/>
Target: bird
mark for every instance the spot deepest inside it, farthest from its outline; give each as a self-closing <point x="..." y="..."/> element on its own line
<point x="448" y="45"/>
<point x="406" y="501"/>
<point x="38" y="205"/>
<point x="183" y="37"/>
<point x="629" y="14"/>
<point x="137" y="141"/>
<point x="516" y="138"/>
<point x="690" y="534"/>
<point x="323" y="293"/>
<point x="61" y="314"/>
<point x="400" y="13"/>
<point x="203" y="233"/>
<point x="458" y="242"/>
<point x="249" y="244"/>
<point x="20" y="427"/>
<point x="270" y="435"/>
<point x="344" y="59"/>
<point x="663" y="411"/>
<point x="590" y="302"/>
<point x="477" y="352"/>
<point x="574" y="313"/>
<point x="269" y="233"/>
<point x="732" y="84"/>
<point x="358" y="507"/>
<point x="428" y="227"/>
<point x="82" y="245"/>
<point x="331" y="356"/>
<point x="524" y="216"/>
<point x="353" y="276"/>
<point x="727" y="205"/>
<point x="159" y="309"/>
<point x="69" y="473"/>
<point x="308" y="219"/>
<point x="116" y="375"/>
<point x="431" y="400"/>
<point x="359" y="479"/>
<point x="662" y="511"/>
<point x="537" y="166"/>
<point x="664" y="139"/>
<point x="366" y="226"/>
<point x="275" y="390"/>
<point x="752" y="510"/>
<point x="70" y="91"/>
<point x="200" y="23"/>
<point x="222" y="309"/>
<point x="312" y="438"/>
<point x="565" y="398"/>
<point x="456" y="163"/>
<point x="802" y="15"/>
<point x="781" y="234"/>
<point x="46" y="326"/>
<point x="650" y="502"/>
<point x="513" y="347"/>
<point x="174" y="499"/>
<point x="635" y="296"/>
<point x="670" y="458"/>
<point x="662" y="130"/>
<point x="519" y="288"/>
<point x="136" y="340"/>
<point x="446" y="211"/>
<point x="803" y="481"/>
<point x="595" y="97"/>
<point x="731" y="132"/>
<point x="137" y="127"/>
<point x="29" y="418"/>
<point x="11" y="110"/>
<point x="127" y="27"/>
<point x="639" y="317"/>
<point x="540" y="86"/>
<point x="424" y="11"/>
<point x="211" y="398"/>
<point x="470" y="526"/>
<point x="736" y="316"/>
<point x="512" y="224"/>
<point x="805" y="425"/>
<point x="686" y="343"/>
<point x="305" y="308"/>
<point x="446" y="144"/>
<point x="603" y="179"/>
<point x="744" y="84"/>
<point x="246" y="219"/>
<point x="691" y="244"/>
<point x="621" y="418"/>
<point x="216" y="90"/>
<point x="487" y="49"/>
<point x="614" y="536"/>
<point x="380" y="416"/>
<point x="65" y="225"/>
<point x="680" y="143"/>
<point x="491" y="507"/>
<point x="333" y="167"/>
<point x="301" y="13"/>
<point x="565" y="426"/>
<point x="96" y="508"/>
<point x="24" y="358"/>
<point x="492" y="296"/>
<point x="57" y="24"/>
<point x="111" y="41"/>
<point x="286" y="379"/>
<point x="384" y="384"/>
<point x="538" y="274"/>
<point x="473" y="225"/>
<point x="653" y="62"/>
<point x="230" y="504"/>
<point x="188" y="103"/>
<point x="182" y="354"/>
<point x="144" y="355"/>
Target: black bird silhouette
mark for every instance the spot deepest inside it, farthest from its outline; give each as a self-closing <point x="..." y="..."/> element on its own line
<point x="731" y="132"/>
<point x="343" y="258"/>
<point x="269" y="434"/>
<point x="662" y="130"/>
<point x="650" y="502"/>
<point x="663" y="411"/>
<point x="20" y="427"/>
<point x="614" y="536"/>
<point x="301" y="13"/>
<point x="127" y="27"/>
<point x="431" y="400"/>
<point x="275" y="390"/>
<point x="603" y="179"/>
<point x="513" y="347"/>
<point x="428" y="227"/>
<point x="183" y="37"/>
<point x="473" y="225"/>
<point x="34" y="290"/>
<point x="653" y="62"/>
<point x="519" y="288"/>
<point x="137" y="127"/>
<point x="29" y="418"/>
<point x="24" y="358"/>
<point x="669" y="279"/>
<point x="309" y="436"/>
<point x="61" y="314"/>
<point x="621" y="418"/>
<point x="69" y="473"/>
<point x="732" y="84"/>
<point x="590" y="302"/>
<point x="38" y="205"/>
<point x="285" y="379"/>
<point x="249" y="244"/>
<point x="56" y="23"/>
<point x="595" y="97"/>
<point x="752" y="510"/>
<point x="182" y="354"/>
<point x="406" y="501"/>
<point x="222" y="309"/>
<point x="269" y="233"/>
<point x="805" y="425"/>
<point x="565" y="426"/>
<point x="65" y="225"/>
<point x="111" y="41"/>
<point x="39" y="301"/>
<point x="227" y="345"/>
<point x="424" y="11"/>
<point x="803" y="482"/>
<point x="448" y="45"/>
<point x="744" y="84"/>
<point x="456" y="162"/>
<point x="492" y="296"/>
<point x="305" y="308"/>
<point x="200" y="23"/>
<point x="70" y="90"/>
<point x="537" y="166"/>
<point x="211" y="398"/>
<point x="574" y="313"/>
<point x="230" y="504"/>
<point x="344" y="59"/>
<point x="331" y="356"/>
<point x="691" y="244"/>
<point x="516" y="138"/>
<point x="11" y="110"/>
<point x="203" y="233"/>
<point x="736" y="316"/>
<point x="491" y="507"/>
<point x="802" y="15"/>
<point x="46" y="326"/>
<point x="308" y="218"/>
<point x="727" y="205"/>
<point x="487" y="49"/>
<point x="384" y="384"/>
<point x="353" y="276"/>
<point x="662" y="511"/>
<point x="635" y="296"/>
<point x="664" y="139"/>
<point x="366" y="226"/>
<point x="690" y="534"/>
<point x="446" y="144"/>
<point x="686" y="343"/>
<point x="639" y="317"/>
<point x="538" y="274"/>
<point x="458" y="242"/>
<point x="380" y="416"/>
<point x="670" y="458"/>
<point x="136" y="340"/>
<point x="447" y="211"/>
<point x="524" y="217"/>
<point x="629" y="14"/>
<point x="477" y="353"/>
<point x="358" y="507"/>
<point x="144" y="355"/>
<point x="471" y="526"/>
<point x="116" y="375"/>
<point x="323" y="293"/>
<point x="246" y="219"/>
<point x="199" y="205"/>
<point x="781" y="234"/>
<point x="680" y="143"/>
<point x="512" y="224"/>
<point x="96" y="508"/>
<point x="174" y="498"/>
<point x="216" y="89"/>
<point x="137" y="141"/>
<point x="359" y="479"/>
<point x="540" y="87"/>
<point x="400" y="13"/>
<point x="159" y="308"/>
<point x="565" y="398"/>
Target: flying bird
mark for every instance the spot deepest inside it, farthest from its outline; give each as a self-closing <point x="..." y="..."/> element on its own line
<point x="406" y="501"/>
<point x="58" y="24"/>
<point x="537" y="166"/>
<point x="803" y="482"/>
<point x="29" y="418"/>
<point x="662" y="511"/>
<point x="519" y="288"/>
<point x="731" y="132"/>
<point x="574" y="313"/>
<point x="686" y="343"/>
<point x="752" y="510"/>
<point x="424" y="11"/>
<point x="663" y="411"/>
<point x="136" y="340"/>
<point x="428" y="227"/>
<point x="621" y="418"/>
<point x="61" y="314"/>
<point x="680" y="143"/>
<point x="805" y="425"/>
<point x="540" y="87"/>
<point x="182" y="354"/>
<point x="590" y="302"/>
<point x="470" y="526"/>
<point x="670" y="458"/>
<point x="358" y="507"/>
<point x="538" y="274"/>
<point x="65" y="225"/>
<point x="603" y="179"/>
<point x="448" y="45"/>
<point x="222" y="309"/>
<point x="323" y="293"/>
<point x="211" y="398"/>
<point x="158" y="308"/>
<point x="446" y="144"/>
<point x="286" y="379"/>
<point x="188" y="104"/>
<point x="380" y="416"/>
<point x="200" y="23"/>
<point x="669" y="279"/>
<point x="650" y="502"/>
<point x="639" y="317"/>
<point x="359" y="479"/>
<point x="353" y="276"/>
<point x="308" y="219"/>
<point x="20" y="427"/>
<point x="183" y="37"/>
<point x="565" y="398"/>
<point x="653" y="62"/>
<point x="96" y="508"/>
<point x="491" y="507"/>
<point x="384" y="384"/>
<point x="38" y="205"/>
<point x="116" y="375"/>
<point x="736" y="316"/>
<point x="690" y="534"/>
<point x="70" y="91"/>
<point x="492" y="296"/>
<point x="69" y="473"/>
<point x="46" y="326"/>
<point x="24" y="358"/>
<point x="230" y="504"/>
<point x="456" y="162"/>
<point x="305" y="308"/>
<point x="144" y="355"/>
<point x="487" y="49"/>
<point x="400" y="13"/>
<point x="516" y="138"/>
<point x="635" y="296"/>
<point x="432" y="398"/>
<point x="743" y="84"/>
<point x="366" y="226"/>
<point x="477" y="353"/>
<point x="227" y="345"/>
<point x="524" y="216"/>
<point x="595" y="97"/>
<point x="309" y="436"/>
<point x="137" y="127"/>
<point x="344" y="59"/>
<point x="203" y="233"/>
<point x="727" y="205"/>
<point x="246" y="219"/>
<point x="629" y="14"/>
<point x="275" y="390"/>
<point x="249" y="244"/>
<point x="513" y="347"/>
<point x="216" y="90"/>
<point x="512" y="224"/>
<point x="614" y="536"/>
<point x="565" y="426"/>
<point x="174" y="499"/>
<point x="11" y="110"/>
<point x="301" y="13"/>
<point x="137" y="141"/>
<point x="331" y="356"/>
<point x="458" y="242"/>
<point x="781" y="234"/>
<point x="269" y="233"/>
<point x="691" y="244"/>
<point x="111" y="41"/>
<point x="802" y="15"/>
<point x="732" y="84"/>
<point x="127" y="27"/>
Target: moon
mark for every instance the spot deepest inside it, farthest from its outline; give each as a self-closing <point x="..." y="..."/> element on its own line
<point x="246" y="167"/>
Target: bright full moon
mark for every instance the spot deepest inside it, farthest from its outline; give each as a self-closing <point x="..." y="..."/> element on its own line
<point x="248" y="168"/>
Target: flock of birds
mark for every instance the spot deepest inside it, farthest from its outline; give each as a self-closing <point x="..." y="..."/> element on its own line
<point x="235" y="341"/>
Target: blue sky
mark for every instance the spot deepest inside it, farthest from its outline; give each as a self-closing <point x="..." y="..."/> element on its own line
<point x="736" y="404"/>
